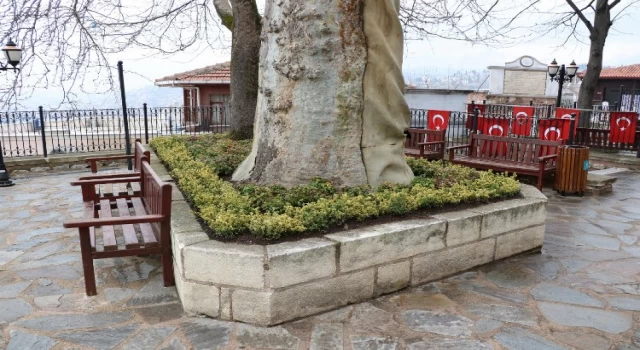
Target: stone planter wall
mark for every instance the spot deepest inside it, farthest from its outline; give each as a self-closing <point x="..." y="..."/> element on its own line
<point x="281" y="282"/>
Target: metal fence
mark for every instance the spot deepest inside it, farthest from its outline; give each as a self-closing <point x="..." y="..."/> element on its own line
<point x="42" y="132"/>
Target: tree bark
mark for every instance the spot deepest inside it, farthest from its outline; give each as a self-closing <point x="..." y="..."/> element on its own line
<point x="245" y="61"/>
<point x="330" y="97"/>
<point x="598" y="36"/>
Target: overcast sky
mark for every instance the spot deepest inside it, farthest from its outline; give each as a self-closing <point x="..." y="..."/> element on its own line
<point x="427" y="56"/>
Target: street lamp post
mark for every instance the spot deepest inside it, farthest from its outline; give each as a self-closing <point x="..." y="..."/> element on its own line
<point x="13" y="54"/>
<point x="561" y="74"/>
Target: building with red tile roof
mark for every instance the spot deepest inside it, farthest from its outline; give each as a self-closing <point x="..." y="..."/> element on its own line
<point x="206" y="86"/>
<point x="615" y="82"/>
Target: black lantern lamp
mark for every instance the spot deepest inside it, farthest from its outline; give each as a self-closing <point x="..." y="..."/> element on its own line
<point x="561" y="74"/>
<point x="13" y="54"/>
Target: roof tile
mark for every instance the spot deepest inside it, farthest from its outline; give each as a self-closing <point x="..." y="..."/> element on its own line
<point x="216" y="73"/>
<point x="624" y="72"/>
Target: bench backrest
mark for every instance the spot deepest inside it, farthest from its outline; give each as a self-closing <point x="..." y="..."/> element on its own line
<point x="513" y="149"/>
<point x="422" y="135"/>
<point x="156" y="197"/>
<point x="138" y="153"/>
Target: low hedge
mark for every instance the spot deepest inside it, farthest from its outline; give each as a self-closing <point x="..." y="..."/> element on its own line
<point x="270" y="212"/>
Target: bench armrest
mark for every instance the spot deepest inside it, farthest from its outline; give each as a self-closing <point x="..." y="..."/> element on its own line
<point x="546" y="158"/>
<point x="430" y="143"/>
<point x="96" y="159"/>
<point x="457" y="147"/>
<point x="114" y="221"/>
<point x="106" y="181"/>
<point x="111" y="176"/>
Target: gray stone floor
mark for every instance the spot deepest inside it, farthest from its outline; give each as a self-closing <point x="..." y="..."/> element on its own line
<point x="582" y="292"/>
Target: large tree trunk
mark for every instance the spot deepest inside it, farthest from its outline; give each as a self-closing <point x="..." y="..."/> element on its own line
<point x="330" y="97"/>
<point x="598" y="37"/>
<point x="245" y="61"/>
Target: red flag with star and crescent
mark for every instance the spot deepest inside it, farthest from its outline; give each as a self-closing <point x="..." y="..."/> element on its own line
<point x="554" y="129"/>
<point x="482" y="109"/>
<point x="565" y="113"/>
<point x="496" y="127"/>
<point x="438" y="120"/>
<point x="522" y="120"/>
<point x="623" y="127"/>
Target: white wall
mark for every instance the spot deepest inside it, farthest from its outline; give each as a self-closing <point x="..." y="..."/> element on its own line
<point x="425" y="99"/>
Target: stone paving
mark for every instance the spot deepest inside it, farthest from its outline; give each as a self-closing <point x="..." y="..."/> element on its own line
<point x="582" y="292"/>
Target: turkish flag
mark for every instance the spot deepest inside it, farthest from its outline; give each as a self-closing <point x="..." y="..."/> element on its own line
<point x="438" y="120"/>
<point x="522" y="120"/>
<point x="482" y="110"/>
<point x="496" y="127"/>
<point x="623" y="127"/>
<point x="565" y="113"/>
<point x="554" y="129"/>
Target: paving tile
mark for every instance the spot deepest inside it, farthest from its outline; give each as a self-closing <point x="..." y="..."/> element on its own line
<point x="100" y="339"/>
<point x="267" y="338"/>
<point x="207" y="333"/>
<point x="450" y="344"/>
<point x="13" y="290"/>
<point x="505" y="313"/>
<point x="578" y="316"/>
<point x="625" y="303"/>
<point x="438" y="323"/>
<point x="13" y="309"/>
<point x="551" y="292"/>
<point x="581" y="340"/>
<point x="327" y="336"/>
<point x="521" y="339"/>
<point x="148" y="338"/>
<point x="20" y="340"/>
<point x="371" y="343"/>
<point x="75" y="321"/>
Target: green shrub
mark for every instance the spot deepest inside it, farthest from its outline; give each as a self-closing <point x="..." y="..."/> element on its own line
<point x="270" y="212"/>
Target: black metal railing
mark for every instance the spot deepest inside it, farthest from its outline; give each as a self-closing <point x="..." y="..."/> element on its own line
<point x="28" y="133"/>
<point x="77" y="131"/>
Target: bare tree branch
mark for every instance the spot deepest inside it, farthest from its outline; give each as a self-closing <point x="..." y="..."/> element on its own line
<point x="580" y="15"/>
<point x="225" y="12"/>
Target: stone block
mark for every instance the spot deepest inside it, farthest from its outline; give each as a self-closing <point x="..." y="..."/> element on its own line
<point x="437" y="265"/>
<point x="519" y="241"/>
<point x="179" y="240"/>
<point x="176" y="194"/>
<point x="319" y="296"/>
<point x="183" y="219"/>
<point x="507" y="216"/>
<point x="393" y="277"/>
<point x="462" y="226"/>
<point x="390" y="242"/>
<point x="252" y="307"/>
<point x="295" y="262"/>
<point x="225" y="304"/>
<point x="529" y="191"/>
<point x="225" y="263"/>
<point x="198" y="299"/>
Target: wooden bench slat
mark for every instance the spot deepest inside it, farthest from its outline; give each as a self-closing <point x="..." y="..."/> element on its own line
<point x="146" y="230"/>
<point x="135" y="186"/>
<point x="88" y="214"/>
<point x="128" y="231"/>
<point x="108" y="234"/>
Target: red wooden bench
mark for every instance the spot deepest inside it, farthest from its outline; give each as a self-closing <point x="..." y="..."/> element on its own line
<point x="117" y="227"/>
<point x="106" y="185"/>
<point x="518" y="155"/>
<point x="423" y="143"/>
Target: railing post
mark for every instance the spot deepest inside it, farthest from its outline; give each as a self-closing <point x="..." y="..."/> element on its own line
<point x="146" y="124"/>
<point x="124" y="115"/>
<point x="476" y="112"/>
<point x="572" y="125"/>
<point x="620" y="99"/>
<point x="549" y="107"/>
<point x="530" y="102"/>
<point x="42" y="132"/>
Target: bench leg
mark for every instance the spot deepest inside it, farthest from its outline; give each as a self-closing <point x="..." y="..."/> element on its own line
<point x="167" y="267"/>
<point x="87" y="262"/>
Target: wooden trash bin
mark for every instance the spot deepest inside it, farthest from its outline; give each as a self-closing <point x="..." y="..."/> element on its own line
<point x="572" y="169"/>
